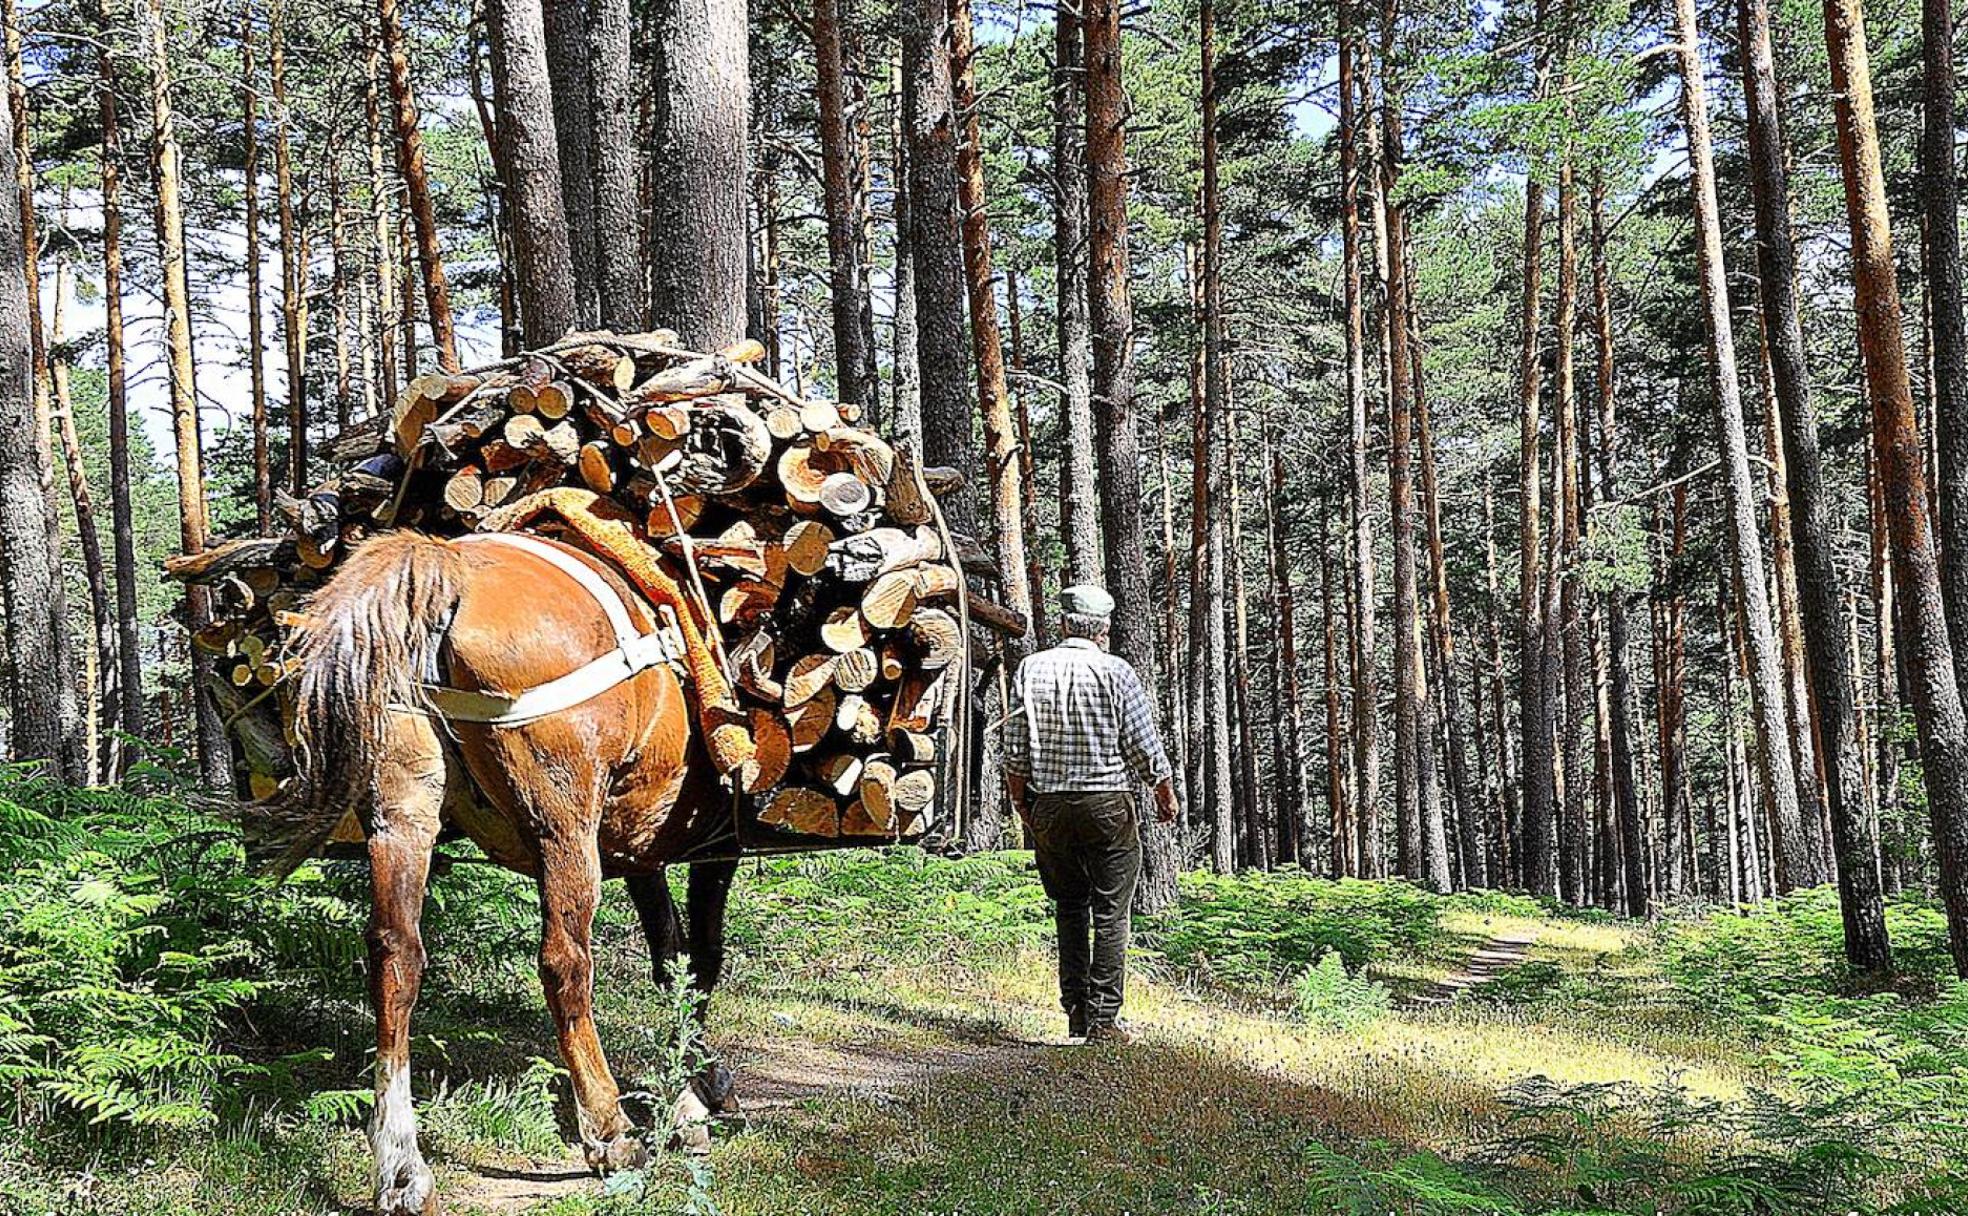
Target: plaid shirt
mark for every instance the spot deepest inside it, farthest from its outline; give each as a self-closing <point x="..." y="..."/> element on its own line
<point x="1081" y="723"/>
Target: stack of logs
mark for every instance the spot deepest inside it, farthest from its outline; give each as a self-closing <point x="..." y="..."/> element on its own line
<point x="837" y="595"/>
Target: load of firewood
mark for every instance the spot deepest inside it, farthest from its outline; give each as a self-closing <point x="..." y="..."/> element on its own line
<point x="826" y="602"/>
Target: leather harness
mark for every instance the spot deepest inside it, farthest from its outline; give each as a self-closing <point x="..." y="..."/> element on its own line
<point x="635" y="652"/>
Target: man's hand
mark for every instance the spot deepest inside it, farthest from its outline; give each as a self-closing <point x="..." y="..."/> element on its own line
<point x="1165" y="805"/>
<point x="1015" y="786"/>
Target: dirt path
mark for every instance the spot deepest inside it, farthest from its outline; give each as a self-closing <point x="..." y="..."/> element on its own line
<point x="1497" y="955"/>
<point x="776" y="1075"/>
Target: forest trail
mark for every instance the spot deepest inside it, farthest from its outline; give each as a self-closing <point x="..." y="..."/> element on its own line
<point x="786" y="1074"/>
<point x="1497" y="956"/>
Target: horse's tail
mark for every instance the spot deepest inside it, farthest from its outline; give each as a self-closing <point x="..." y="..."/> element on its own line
<point x="370" y="644"/>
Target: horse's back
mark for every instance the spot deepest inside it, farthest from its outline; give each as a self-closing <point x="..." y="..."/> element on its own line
<point x="615" y="765"/>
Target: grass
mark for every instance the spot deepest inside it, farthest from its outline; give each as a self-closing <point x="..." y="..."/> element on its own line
<point x="893" y="1019"/>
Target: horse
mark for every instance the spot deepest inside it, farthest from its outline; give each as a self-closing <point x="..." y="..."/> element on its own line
<point x="619" y="783"/>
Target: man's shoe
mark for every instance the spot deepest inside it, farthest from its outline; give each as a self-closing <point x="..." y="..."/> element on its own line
<point x="1076" y="1024"/>
<point x="1112" y="1033"/>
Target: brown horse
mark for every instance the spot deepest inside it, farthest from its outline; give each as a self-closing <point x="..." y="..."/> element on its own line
<point x="616" y="784"/>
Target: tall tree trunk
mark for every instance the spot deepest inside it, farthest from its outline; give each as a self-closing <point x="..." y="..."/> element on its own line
<point x="1575" y="711"/>
<point x="1629" y="815"/>
<point x="1538" y="866"/>
<point x="1820" y="586"/>
<point x="1001" y="445"/>
<point x="1417" y="788"/>
<point x="907" y="389"/>
<point x="1079" y="493"/>
<point x="613" y="155"/>
<point x="1940" y="257"/>
<point x="293" y="260"/>
<point x="937" y="246"/>
<point x="1028" y="465"/>
<point x="1288" y="719"/>
<point x="1111" y="315"/>
<point x="529" y="152"/>
<point x="249" y="91"/>
<point x="102" y="621"/>
<point x="1469" y="842"/>
<point x="1366" y="683"/>
<point x="1740" y="497"/>
<point x="214" y="751"/>
<point x="416" y="187"/>
<point x="379" y="211"/>
<point x="1219" y="773"/>
<point x="703" y="92"/>
<point x="338" y="286"/>
<point x="121" y="513"/>
<point x="841" y="158"/>
<point x="74" y="756"/>
<point x="1250" y="801"/>
<point x="1885" y="656"/>
<point x="1344" y="858"/>
<point x="566" y="29"/>
<point x="29" y="575"/>
<point x="1930" y="659"/>
<point x="1505" y="865"/>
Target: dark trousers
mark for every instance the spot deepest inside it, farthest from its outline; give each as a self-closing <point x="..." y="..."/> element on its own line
<point x="1089" y="853"/>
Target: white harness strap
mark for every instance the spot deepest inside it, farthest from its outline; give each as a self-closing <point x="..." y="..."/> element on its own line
<point x="634" y="652"/>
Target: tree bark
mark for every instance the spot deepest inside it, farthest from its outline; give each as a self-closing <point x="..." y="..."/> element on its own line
<point x="385" y="261"/>
<point x="1344" y="861"/>
<point x="1001" y="443"/>
<point x="1819" y="585"/>
<point x="1929" y="656"/>
<point x="1366" y="682"/>
<point x="1079" y="494"/>
<point x="529" y="154"/>
<point x="703" y="97"/>
<point x="416" y="187"/>
<point x="1577" y="692"/>
<point x="942" y="361"/>
<point x="1219" y="801"/>
<point x="907" y="388"/>
<point x="1505" y="865"/>
<point x="1256" y="853"/>
<point x="566" y="30"/>
<point x="1288" y="721"/>
<point x="841" y="158"/>
<point x="214" y="751"/>
<point x="130" y="708"/>
<point x="1740" y="496"/>
<point x="1417" y="790"/>
<point x="29" y="576"/>
<point x="1628" y="814"/>
<point x="614" y="151"/>
<point x="1111" y="316"/>
<point x="1940" y="257"/>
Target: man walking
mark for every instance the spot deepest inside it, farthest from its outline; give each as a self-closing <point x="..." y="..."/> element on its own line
<point x="1080" y="737"/>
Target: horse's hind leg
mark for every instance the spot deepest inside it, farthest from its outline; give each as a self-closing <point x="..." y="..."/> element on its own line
<point x="661" y="926"/>
<point x="403" y="830"/>
<point x="570" y="892"/>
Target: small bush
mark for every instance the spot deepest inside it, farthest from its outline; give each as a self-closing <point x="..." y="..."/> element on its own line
<point x="1328" y="998"/>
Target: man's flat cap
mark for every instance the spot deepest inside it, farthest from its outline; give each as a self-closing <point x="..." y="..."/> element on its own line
<point x="1087" y="600"/>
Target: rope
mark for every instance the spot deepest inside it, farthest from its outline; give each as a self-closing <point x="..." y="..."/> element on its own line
<point x="715" y="634"/>
<point x="960" y="711"/>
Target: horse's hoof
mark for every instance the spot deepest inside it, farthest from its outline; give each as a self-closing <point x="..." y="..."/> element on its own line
<point x="717" y="1089"/>
<point x="690" y="1123"/>
<point x="412" y="1192"/>
<point x="616" y="1156"/>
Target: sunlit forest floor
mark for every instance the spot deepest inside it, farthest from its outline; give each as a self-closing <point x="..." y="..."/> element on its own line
<point x="1303" y="1046"/>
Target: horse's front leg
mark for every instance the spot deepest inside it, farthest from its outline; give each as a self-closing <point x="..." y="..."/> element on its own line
<point x="570" y="892"/>
<point x="402" y="833"/>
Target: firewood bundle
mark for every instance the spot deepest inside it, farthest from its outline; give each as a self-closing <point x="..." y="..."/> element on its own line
<point x="817" y="563"/>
